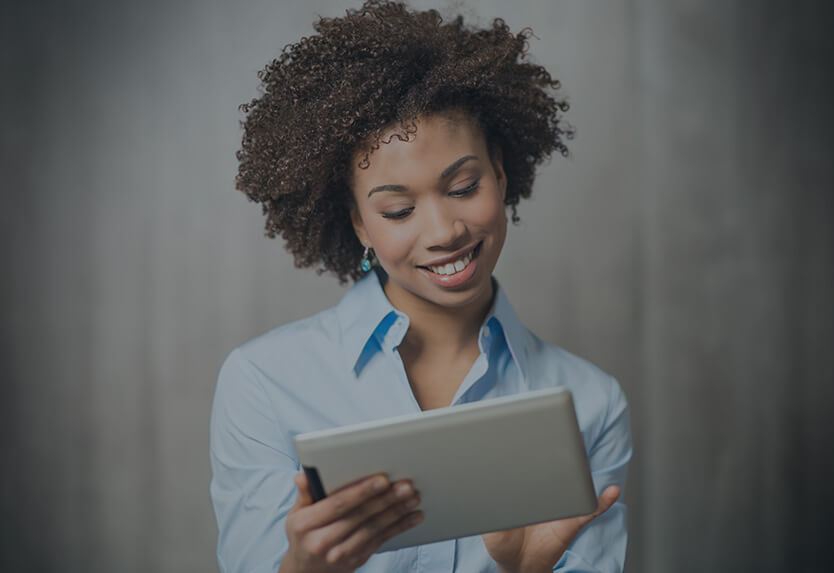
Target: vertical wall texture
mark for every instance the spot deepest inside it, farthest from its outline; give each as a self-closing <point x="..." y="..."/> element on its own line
<point x="686" y="247"/>
<point x="736" y="182"/>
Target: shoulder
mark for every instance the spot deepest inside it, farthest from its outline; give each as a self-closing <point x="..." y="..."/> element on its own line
<point x="286" y="351"/>
<point x="286" y="376"/>
<point x="313" y="334"/>
<point x="599" y="400"/>
<point x="552" y="365"/>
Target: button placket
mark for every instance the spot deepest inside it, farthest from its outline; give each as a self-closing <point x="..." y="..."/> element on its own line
<point x="396" y="333"/>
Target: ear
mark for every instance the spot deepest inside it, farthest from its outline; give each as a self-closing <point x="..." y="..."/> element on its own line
<point x="359" y="226"/>
<point x="497" y="159"/>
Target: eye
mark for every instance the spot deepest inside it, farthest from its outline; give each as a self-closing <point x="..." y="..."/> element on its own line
<point x="402" y="213"/>
<point x="466" y="190"/>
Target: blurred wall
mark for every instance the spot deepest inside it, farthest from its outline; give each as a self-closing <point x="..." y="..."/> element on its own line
<point x="687" y="247"/>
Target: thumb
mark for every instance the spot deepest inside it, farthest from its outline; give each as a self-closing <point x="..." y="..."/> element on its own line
<point x="607" y="499"/>
<point x="604" y="503"/>
<point x="305" y="498"/>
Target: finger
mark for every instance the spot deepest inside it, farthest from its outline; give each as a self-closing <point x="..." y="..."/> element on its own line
<point x="337" y="505"/>
<point x="379" y="512"/>
<point x="607" y="499"/>
<point x="604" y="502"/>
<point x="406" y="522"/>
<point x="305" y="497"/>
<point x="370" y="520"/>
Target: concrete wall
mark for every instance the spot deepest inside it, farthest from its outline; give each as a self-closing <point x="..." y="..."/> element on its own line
<point x="687" y="247"/>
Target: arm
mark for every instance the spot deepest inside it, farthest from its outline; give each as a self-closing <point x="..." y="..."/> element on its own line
<point x="265" y="514"/>
<point x="601" y="545"/>
<point x="252" y="472"/>
<point x="590" y="543"/>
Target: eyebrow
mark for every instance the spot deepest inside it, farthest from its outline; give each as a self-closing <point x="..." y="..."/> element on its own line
<point x="446" y="172"/>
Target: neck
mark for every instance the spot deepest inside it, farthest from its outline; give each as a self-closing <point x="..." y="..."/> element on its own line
<point x="438" y="329"/>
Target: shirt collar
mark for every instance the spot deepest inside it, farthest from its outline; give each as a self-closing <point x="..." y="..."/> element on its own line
<point x="515" y="333"/>
<point x="365" y="316"/>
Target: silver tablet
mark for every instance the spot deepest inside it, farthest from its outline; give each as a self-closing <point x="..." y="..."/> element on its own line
<point x="486" y="466"/>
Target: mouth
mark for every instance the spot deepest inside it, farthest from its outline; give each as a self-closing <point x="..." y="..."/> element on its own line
<point x="455" y="270"/>
<point x="454" y="264"/>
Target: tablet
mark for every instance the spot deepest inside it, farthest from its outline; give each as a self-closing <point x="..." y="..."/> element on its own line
<point x="486" y="466"/>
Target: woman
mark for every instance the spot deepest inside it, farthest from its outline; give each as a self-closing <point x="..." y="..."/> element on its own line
<point x="386" y="149"/>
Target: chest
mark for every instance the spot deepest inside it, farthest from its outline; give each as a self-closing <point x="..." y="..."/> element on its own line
<point x="435" y="380"/>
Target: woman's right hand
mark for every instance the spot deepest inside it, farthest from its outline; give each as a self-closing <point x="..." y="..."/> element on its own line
<point x="341" y="532"/>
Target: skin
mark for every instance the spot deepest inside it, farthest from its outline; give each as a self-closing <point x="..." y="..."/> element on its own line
<point x="437" y="216"/>
<point x="340" y="532"/>
<point x="434" y="196"/>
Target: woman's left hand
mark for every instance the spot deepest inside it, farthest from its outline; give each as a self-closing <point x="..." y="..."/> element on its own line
<point x="537" y="548"/>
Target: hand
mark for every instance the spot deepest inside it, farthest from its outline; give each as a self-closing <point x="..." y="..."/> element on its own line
<point x="539" y="547"/>
<point x="341" y="532"/>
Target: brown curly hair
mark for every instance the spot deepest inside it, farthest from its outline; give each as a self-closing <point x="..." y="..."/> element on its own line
<point x="331" y="95"/>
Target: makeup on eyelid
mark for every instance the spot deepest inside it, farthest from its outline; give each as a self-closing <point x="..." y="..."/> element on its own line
<point x="434" y="214"/>
<point x="400" y="212"/>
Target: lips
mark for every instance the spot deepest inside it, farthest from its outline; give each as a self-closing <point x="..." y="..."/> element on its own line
<point x="455" y="270"/>
<point x="453" y="267"/>
<point x="453" y="263"/>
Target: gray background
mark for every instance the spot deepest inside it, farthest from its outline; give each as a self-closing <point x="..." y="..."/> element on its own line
<point x="686" y="247"/>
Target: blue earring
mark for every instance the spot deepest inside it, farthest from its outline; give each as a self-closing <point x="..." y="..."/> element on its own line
<point x="365" y="264"/>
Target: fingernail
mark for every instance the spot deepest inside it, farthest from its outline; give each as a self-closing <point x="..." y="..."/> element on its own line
<point x="416" y="519"/>
<point x="412" y="503"/>
<point x="379" y="483"/>
<point x="403" y="490"/>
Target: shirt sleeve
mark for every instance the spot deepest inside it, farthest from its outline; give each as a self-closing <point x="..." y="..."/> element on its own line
<point x="601" y="546"/>
<point x="252" y="487"/>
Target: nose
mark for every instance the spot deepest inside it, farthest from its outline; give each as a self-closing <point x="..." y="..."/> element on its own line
<point x="443" y="228"/>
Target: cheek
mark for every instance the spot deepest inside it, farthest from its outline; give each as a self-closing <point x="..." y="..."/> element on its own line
<point x="391" y="242"/>
<point x="492" y="220"/>
<point x="490" y="214"/>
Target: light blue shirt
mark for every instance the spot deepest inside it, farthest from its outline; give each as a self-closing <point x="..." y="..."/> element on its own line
<point x="341" y="366"/>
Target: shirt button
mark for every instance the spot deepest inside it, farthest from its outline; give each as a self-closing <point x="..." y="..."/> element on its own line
<point x="486" y="332"/>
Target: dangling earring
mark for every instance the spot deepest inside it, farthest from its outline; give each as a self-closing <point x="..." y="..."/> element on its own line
<point x="365" y="264"/>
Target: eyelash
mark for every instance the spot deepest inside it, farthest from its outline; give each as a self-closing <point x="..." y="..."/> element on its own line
<point x="466" y="190"/>
<point x="457" y="194"/>
<point x="398" y="214"/>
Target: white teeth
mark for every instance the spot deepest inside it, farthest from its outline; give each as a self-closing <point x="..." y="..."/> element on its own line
<point x="452" y="268"/>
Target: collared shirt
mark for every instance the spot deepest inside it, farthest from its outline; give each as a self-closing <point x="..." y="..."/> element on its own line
<point x="341" y="366"/>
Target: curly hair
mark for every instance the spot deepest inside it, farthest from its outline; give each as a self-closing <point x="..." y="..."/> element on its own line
<point x="328" y="98"/>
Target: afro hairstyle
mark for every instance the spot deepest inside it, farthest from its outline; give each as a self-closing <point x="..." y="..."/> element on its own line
<point x="328" y="98"/>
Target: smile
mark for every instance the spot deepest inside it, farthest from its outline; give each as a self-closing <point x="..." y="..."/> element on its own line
<point x="454" y="266"/>
<point x="454" y="272"/>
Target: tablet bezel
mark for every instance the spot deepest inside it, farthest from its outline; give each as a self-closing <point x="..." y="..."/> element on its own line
<point x="524" y="462"/>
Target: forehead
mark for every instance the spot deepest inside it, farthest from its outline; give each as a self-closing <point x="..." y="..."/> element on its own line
<point x="438" y="141"/>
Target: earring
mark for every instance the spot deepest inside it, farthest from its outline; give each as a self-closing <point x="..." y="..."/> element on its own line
<point x="365" y="264"/>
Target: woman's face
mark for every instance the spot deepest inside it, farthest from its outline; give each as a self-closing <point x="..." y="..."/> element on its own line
<point x="432" y="208"/>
